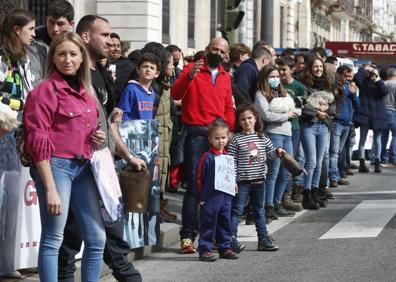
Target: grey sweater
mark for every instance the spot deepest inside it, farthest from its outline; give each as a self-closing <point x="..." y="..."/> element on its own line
<point x="390" y="99"/>
<point x="276" y="123"/>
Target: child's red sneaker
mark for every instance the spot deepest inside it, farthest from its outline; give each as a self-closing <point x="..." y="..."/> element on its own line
<point x="187" y="246"/>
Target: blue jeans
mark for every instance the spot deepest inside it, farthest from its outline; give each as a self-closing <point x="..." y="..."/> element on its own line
<point x="298" y="155"/>
<point x="338" y="136"/>
<point x="391" y="119"/>
<point x="78" y="191"/>
<point x="277" y="175"/>
<point x="344" y="160"/>
<point x="314" y="138"/>
<point x="376" y="142"/>
<point x="255" y="192"/>
<point x="196" y="145"/>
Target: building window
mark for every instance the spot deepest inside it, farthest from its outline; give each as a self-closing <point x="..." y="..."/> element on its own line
<point x="213" y="18"/>
<point x="191" y="24"/>
<point x="39" y="9"/>
<point x="166" y="21"/>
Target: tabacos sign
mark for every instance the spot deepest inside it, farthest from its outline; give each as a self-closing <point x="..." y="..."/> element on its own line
<point x="355" y="49"/>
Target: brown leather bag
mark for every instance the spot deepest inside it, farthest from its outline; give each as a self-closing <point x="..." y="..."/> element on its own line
<point x="135" y="189"/>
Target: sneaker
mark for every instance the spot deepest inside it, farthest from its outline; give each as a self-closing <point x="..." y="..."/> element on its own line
<point x="270" y="213"/>
<point x="281" y="212"/>
<point x="333" y="184"/>
<point x="237" y="247"/>
<point x="228" y="254"/>
<point x="288" y="204"/>
<point x="207" y="256"/>
<point x="343" y="182"/>
<point x="187" y="246"/>
<point x="350" y="172"/>
<point x="266" y="243"/>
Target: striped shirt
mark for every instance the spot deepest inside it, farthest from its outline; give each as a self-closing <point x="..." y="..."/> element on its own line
<point x="250" y="153"/>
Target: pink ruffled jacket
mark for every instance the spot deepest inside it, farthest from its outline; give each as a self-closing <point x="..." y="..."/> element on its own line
<point x="58" y="121"/>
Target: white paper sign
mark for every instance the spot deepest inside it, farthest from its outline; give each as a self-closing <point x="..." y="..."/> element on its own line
<point x="225" y="174"/>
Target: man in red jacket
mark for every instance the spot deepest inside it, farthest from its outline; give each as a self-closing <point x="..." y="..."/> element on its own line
<point x="205" y="90"/>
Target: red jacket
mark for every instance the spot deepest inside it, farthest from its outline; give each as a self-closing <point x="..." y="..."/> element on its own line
<point x="203" y="102"/>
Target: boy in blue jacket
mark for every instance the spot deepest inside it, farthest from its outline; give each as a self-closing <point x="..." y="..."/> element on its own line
<point x="138" y="98"/>
<point x="215" y="212"/>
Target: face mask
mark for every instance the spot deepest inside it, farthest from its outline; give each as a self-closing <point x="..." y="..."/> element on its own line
<point x="176" y="64"/>
<point x="214" y="60"/>
<point x="274" y="82"/>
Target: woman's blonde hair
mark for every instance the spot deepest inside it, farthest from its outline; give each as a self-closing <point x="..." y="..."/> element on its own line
<point x="264" y="86"/>
<point x="84" y="72"/>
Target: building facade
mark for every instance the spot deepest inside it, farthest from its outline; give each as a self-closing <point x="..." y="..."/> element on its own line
<point x="283" y="23"/>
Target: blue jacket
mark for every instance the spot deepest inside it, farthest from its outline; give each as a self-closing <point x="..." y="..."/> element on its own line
<point x="246" y="77"/>
<point x="347" y="107"/>
<point x="136" y="102"/>
<point x="371" y="110"/>
<point x="206" y="170"/>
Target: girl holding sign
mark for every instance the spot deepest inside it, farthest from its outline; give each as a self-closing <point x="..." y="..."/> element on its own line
<point x="215" y="202"/>
<point x="251" y="149"/>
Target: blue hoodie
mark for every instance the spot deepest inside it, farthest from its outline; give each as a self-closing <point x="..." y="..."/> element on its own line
<point x="347" y="107"/>
<point x="246" y="77"/>
<point x="136" y="102"/>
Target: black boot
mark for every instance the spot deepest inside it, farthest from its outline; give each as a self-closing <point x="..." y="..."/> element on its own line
<point x="270" y="212"/>
<point x="315" y="196"/>
<point x="362" y="166"/>
<point x="377" y="166"/>
<point x="307" y="202"/>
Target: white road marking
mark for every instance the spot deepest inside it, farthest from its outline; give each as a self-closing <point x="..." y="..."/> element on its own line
<point x="247" y="233"/>
<point x="366" y="220"/>
<point x="364" y="193"/>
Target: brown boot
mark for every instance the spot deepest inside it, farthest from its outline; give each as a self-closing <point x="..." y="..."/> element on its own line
<point x="166" y="215"/>
<point x="296" y="193"/>
<point x="288" y="204"/>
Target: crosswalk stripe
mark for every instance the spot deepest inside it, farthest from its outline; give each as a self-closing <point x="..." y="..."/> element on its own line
<point x="366" y="220"/>
<point x="247" y="233"/>
<point x="365" y="193"/>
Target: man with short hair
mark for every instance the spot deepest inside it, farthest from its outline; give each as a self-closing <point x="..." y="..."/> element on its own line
<point x="248" y="72"/>
<point x="115" y="49"/>
<point x="205" y="88"/>
<point x="60" y="18"/>
<point x="346" y="105"/>
<point x="95" y="32"/>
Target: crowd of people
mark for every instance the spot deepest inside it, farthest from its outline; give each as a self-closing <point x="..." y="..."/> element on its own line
<point x="72" y="90"/>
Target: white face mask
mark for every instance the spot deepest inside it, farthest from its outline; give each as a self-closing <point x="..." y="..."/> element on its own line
<point x="274" y="82"/>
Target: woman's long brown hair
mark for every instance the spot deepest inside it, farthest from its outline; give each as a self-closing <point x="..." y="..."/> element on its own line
<point x="264" y="87"/>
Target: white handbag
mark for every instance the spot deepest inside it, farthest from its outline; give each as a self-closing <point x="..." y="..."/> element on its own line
<point x="108" y="185"/>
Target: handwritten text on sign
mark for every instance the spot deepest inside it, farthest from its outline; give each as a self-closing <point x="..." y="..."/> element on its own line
<point x="225" y="174"/>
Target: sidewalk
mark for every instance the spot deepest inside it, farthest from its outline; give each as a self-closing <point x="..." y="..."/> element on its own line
<point x="169" y="236"/>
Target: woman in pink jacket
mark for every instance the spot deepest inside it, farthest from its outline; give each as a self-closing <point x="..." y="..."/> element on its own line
<point x="61" y="121"/>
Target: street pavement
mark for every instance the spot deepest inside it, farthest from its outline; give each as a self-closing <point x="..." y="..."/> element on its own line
<point x="353" y="239"/>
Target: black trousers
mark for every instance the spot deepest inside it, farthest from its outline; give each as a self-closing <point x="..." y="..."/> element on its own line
<point x="115" y="252"/>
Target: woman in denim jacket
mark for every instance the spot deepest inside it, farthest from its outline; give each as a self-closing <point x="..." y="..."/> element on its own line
<point x="61" y="130"/>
